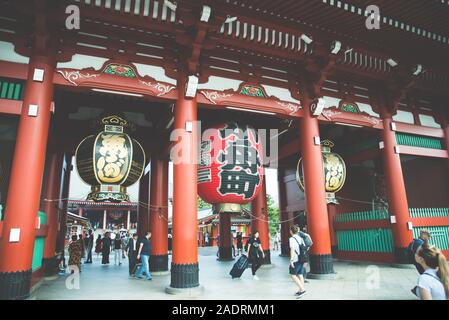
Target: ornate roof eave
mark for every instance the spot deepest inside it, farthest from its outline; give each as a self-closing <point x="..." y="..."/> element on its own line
<point x="130" y="82"/>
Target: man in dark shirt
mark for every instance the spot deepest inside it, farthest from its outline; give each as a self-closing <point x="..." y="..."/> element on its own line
<point x="89" y="246"/>
<point x="106" y="248"/>
<point x="144" y="255"/>
<point x="132" y="250"/>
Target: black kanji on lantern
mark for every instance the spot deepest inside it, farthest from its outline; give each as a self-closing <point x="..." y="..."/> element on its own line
<point x="233" y="128"/>
<point x="239" y="172"/>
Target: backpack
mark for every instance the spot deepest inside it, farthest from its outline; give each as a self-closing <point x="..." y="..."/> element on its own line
<point x="303" y="255"/>
<point x="307" y="240"/>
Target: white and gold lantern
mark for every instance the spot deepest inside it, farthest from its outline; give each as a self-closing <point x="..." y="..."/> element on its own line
<point x="110" y="161"/>
<point x="334" y="172"/>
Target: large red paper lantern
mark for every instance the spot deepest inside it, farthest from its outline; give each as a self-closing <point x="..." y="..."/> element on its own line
<point x="230" y="172"/>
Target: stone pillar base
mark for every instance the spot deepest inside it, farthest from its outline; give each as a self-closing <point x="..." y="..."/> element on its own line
<point x="184" y="276"/>
<point x="185" y="292"/>
<point x="225" y="254"/>
<point x="321" y="264"/>
<point x="285" y="250"/>
<point x="267" y="259"/>
<point x="334" y="251"/>
<point x="50" y="266"/>
<point x="15" y="285"/>
<point x="159" y="263"/>
<point x="329" y="276"/>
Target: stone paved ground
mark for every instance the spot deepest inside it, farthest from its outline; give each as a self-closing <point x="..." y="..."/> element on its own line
<point x="354" y="281"/>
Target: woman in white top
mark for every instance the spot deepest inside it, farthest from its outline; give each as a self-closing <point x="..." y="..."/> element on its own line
<point x="433" y="284"/>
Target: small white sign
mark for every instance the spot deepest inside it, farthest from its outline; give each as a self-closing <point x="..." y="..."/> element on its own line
<point x="381" y="145"/>
<point x="189" y="126"/>
<point x="393" y="219"/>
<point x="409" y="225"/>
<point x="14" y="235"/>
<point x="38" y="75"/>
<point x="317" y="140"/>
<point x="32" y="110"/>
<point x="396" y="149"/>
<point x="393" y="126"/>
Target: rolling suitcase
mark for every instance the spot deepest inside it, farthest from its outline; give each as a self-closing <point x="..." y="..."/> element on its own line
<point x="239" y="267"/>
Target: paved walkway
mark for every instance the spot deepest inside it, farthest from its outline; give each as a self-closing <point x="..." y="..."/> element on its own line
<point x="354" y="281"/>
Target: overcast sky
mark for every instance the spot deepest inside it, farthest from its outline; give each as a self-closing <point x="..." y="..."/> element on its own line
<point x="79" y="190"/>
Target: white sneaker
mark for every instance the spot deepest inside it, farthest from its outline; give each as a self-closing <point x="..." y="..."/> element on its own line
<point x="255" y="277"/>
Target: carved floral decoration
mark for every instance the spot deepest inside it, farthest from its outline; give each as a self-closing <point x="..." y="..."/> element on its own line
<point x="74" y="76"/>
<point x="120" y="70"/>
<point x="213" y="96"/>
<point x="160" y="87"/>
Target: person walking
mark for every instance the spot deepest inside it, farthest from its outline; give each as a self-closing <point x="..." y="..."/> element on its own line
<point x="239" y="243"/>
<point x="105" y="248"/>
<point x="255" y="253"/>
<point x="144" y="255"/>
<point x="308" y="244"/>
<point x="276" y="241"/>
<point x="98" y="246"/>
<point x="117" y="249"/>
<point x="232" y="245"/>
<point x="131" y="251"/>
<point x="424" y="235"/>
<point x="125" y="240"/>
<point x="296" y="267"/>
<point x="433" y="283"/>
<point x="89" y="246"/>
<point x="75" y="253"/>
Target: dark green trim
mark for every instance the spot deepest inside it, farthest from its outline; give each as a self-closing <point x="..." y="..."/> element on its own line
<point x="412" y="140"/>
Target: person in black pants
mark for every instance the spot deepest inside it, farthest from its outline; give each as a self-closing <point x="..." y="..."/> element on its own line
<point x="89" y="246"/>
<point x="255" y="253"/>
<point x="106" y="248"/>
<point x="131" y="250"/>
<point x="239" y="243"/>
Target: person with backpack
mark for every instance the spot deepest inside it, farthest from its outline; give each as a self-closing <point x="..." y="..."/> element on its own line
<point x="433" y="283"/>
<point x="413" y="247"/>
<point x="297" y="260"/>
<point x="308" y="244"/>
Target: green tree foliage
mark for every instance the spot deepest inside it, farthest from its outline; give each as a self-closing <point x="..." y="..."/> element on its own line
<point x="273" y="215"/>
<point x="202" y="204"/>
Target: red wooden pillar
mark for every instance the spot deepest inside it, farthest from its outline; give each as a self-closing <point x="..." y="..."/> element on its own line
<point x="259" y="221"/>
<point x="225" y="246"/>
<point x="213" y="239"/>
<point x="321" y="264"/>
<point x="286" y="217"/>
<point x="51" y="205"/>
<point x="397" y="196"/>
<point x="22" y="204"/>
<point x="143" y="223"/>
<point x="184" y="267"/>
<point x="159" y="215"/>
<point x="332" y="211"/>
